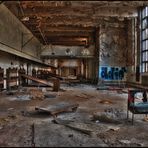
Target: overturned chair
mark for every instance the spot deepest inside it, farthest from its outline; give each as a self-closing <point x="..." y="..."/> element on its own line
<point x="134" y="107"/>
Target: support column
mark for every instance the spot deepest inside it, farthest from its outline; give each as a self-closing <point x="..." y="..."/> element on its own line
<point x="97" y="54"/>
<point x="138" y="47"/>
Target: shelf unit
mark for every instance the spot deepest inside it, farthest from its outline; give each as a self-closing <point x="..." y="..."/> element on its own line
<point x="1" y="79"/>
<point x="12" y="78"/>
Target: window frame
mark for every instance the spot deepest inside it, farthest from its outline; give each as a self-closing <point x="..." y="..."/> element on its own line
<point x="144" y="39"/>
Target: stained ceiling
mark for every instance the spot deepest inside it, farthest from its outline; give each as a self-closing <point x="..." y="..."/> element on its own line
<point x="70" y="22"/>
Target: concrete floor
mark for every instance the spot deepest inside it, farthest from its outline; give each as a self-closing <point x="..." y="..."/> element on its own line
<point x="100" y="111"/>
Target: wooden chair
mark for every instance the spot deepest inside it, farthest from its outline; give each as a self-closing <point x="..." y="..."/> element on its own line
<point x="136" y="107"/>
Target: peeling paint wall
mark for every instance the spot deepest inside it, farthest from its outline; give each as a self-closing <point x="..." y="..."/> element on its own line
<point x="117" y="50"/>
<point x="131" y="44"/>
<point x="113" y="49"/>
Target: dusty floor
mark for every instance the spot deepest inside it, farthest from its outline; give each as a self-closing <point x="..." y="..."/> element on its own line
<point x="101" y="112"/>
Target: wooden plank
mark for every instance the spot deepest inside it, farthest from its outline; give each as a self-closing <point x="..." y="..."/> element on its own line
<point x="37" y="80"/>
<point x="68" y="124"/>
<point x="58" y="109"/>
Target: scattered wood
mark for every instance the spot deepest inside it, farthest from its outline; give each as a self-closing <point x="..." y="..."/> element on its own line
<point x="37" y="80"/>
<point x="88" y="95"/>
<point x="85" y="96"/>
<point x="80" y="96"/>
<point x="54" y="110"/>
<point x="85" y="131"/>
<point x="105" y="102"/>
<point x="62" y="122"/>
<point x="68" y="124"/>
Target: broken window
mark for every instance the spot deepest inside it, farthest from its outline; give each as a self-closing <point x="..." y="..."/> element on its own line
<point x="144" y="39"/>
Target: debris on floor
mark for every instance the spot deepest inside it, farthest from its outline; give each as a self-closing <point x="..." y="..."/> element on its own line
<point x="108" y="109"/>
<point x="105" y="118"/>
<point x="49" y="96"/>
<point x="10" y="93"/>
<point x="36" y="94"/>
<point x="24" y="97"/>
<point x="1" y="127"/>
<point x="82" y="96"/>
<point x="53" y="135"/>
<point x="125" y="141"/>
<point x="75" y="126"/>
<point x="109" y="115"/>
<point x="54" y="110"/>
<point x="114" y="128"/>
<point x="105" y="102"/>
<point x="103" y="88"/>
<point x="145" y="119"/>
<point x="116" y="113"/>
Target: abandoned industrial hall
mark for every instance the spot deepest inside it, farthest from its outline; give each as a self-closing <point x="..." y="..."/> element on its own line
<point x="74" y="73"/>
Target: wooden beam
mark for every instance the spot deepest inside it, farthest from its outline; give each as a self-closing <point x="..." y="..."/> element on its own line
<point x="37" y="80"/>
<point x="96" y="4"/>
<point x="61" y="11"/>
<point x="64" y="33"/>
<point x="61" y="42"/>
<point x="73" y="28"/>
<point x="63" y="38"/>
<point x="66" y="22"/>
<point x="71" y="43"/>
<point x="63" y="28"/>
<point x="58" y="19"/>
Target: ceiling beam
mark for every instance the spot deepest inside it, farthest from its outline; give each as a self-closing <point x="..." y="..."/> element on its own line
<point x="77" y="22"/>
<point x="60" y="11"/>
<point x="80" y="11"/>
<point x="63" y="38"/>
<point x="63" y="33"/>
<point x="80" y="3"/>
<point x="73" y="43"/>
<point x="60" y="29"/>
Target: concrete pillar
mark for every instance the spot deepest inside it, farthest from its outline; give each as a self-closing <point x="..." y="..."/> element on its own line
<point x="97" y="53"/>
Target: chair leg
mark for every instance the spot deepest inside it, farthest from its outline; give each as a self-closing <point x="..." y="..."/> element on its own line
<point x="132" y="118"/>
